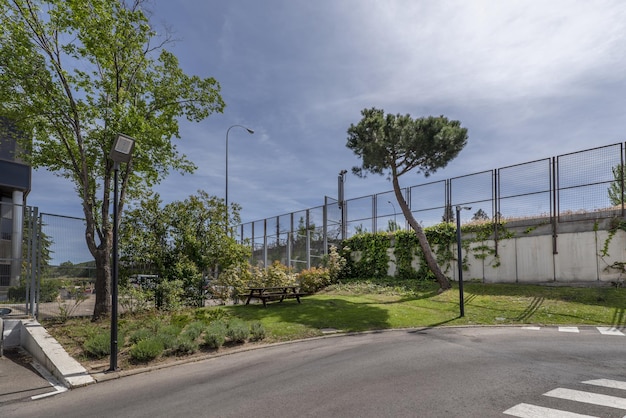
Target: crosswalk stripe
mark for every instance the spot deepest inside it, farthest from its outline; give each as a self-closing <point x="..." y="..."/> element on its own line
<point x="610" y="331"/>
<point x="525" y="410"/>
<point x="588" y="397"/>
<point x="607" y="383"/>
<point x="568" y="329"/>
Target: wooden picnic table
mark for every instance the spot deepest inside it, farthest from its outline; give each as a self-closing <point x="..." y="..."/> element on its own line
<point x="274" y="293"/>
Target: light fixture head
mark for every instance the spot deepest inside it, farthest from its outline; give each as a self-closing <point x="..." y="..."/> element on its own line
<point x="122" y="149"/>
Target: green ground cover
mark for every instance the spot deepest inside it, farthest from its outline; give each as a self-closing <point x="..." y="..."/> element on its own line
<point x="369" y="305"/>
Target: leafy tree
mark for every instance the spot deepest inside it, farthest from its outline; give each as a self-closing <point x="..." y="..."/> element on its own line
<point x="480" y="215"/>
<point x="74" y="74"/>
<point x="616" y="188"/>
<point x="182" y="241"/>
<point x="396" y="144"/>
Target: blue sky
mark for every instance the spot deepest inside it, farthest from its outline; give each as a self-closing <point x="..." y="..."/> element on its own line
<point x="528" y="79"/>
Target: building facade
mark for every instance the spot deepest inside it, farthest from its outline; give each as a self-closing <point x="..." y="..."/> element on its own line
<point x="15" y="182"/>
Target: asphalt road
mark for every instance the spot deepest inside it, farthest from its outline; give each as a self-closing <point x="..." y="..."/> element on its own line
<point x="442" y="372"/>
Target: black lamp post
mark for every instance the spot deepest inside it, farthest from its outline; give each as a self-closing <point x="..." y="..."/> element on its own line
<point x="460" y="257"/>
<point x="395" y="221"/>
<point x="120" y="153"/>
<point x="250" y="131"/>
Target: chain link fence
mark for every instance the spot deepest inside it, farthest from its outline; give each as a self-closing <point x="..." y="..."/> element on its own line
<point x="589" y="182"/>
<point x="52" y="248"/>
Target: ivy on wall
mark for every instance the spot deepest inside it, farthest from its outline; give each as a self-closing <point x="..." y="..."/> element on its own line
<point x="367" y="253"/>
<point x="616" y="225"/>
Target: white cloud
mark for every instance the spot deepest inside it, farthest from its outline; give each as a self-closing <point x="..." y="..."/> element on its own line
<point x="529" y="79"/>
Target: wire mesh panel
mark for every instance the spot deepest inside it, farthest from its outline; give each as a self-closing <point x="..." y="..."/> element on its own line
<point x="389" y="216"/>
<point x="258" y="242"/>
<point x="245" y="233"/>
<point x="359" y="215"/>
<point x="525" y="190"/>
<point x="317" y="248"/>
<point x="65" y="241"/>
<point x="333" y="221"/>
<point x="586" y="180"/>
<point x="428" y="202"/>
<point x="276" y="248"/>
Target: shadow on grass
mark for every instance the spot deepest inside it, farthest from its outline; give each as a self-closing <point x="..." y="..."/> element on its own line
<point x="598" y="296"/>
<point x="320" y="312"/>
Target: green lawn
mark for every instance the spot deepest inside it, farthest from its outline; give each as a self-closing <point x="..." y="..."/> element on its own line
<point x="370" y="306"/>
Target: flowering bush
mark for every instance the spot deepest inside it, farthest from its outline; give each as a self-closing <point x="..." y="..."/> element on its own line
<point x="313" y="279"/>
<point x="335" y="263"/>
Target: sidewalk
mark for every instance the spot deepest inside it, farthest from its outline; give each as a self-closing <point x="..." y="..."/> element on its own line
<point x="19" y="380"/>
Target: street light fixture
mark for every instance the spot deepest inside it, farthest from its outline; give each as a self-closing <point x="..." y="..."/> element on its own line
<point x="120" y="153"/>
<point x="459" y="256"/>
<point x="250" y="131"/>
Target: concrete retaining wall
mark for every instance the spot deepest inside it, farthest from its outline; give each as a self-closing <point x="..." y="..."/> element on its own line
<point x="46" y="350"/>
<point x="534" y="255"/>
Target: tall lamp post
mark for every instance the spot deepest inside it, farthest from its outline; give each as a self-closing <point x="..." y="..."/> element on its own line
<point x="459" y="257"/>
<point x="395" y="221"/>
<point x="341" y="201"/>
<point x="120" y="153"/>
<point x="250" y="131"/>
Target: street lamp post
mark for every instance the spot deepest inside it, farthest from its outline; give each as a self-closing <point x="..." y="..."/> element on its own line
<point x="341" y="201"/>
<point x="120" y="153"/>
<point x="250" y="131"/>
<point x="459" y="257"/>
<point x="395" y="221"/>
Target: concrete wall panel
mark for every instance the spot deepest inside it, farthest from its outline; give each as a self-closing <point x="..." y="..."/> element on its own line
<point x="505" y="272"/>
<point x="535" y="262"/>
<point x="616" y="254"/>
<point x="576" y="259"/>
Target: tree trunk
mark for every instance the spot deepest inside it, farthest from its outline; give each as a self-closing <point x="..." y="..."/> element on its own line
<point x="431" y="261"/>
<point x="102" y="307"/>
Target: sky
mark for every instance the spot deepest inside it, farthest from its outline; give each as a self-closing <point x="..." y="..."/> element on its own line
<point x="528" y="79"/>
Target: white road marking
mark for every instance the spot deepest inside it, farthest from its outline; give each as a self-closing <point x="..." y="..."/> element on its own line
<point x="607" y="383"/>
<point x="532" y="328"/>
<point x="610" y="331"/>
<point x="568" y="329"/>
<point x="588" y="397"/>
<point x="525" y="410"/>
<point x="59" y="388"/>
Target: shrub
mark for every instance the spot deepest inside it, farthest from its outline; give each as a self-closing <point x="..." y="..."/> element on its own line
<point x="169" y="295"/>
<point x="313" y="279"/>
<point x="98" y="345"/>
<point x="276" y="275"/>
<point x="336" y="264"/>
<point x="48" y="291"/>
<point x="193" y="330"/>
<point x="184" y="344"/>
<point x="233" y="282"/>
<point x="237" y="330"/>
<point x="169" y="336"/>
<point x="215" y="334"/>
<point x="146" y="350"/>
<point x="257" y="331"/>
<point x="140" y="334"/>
<point x="134" y="300"/>
<point x="210" y="315"/>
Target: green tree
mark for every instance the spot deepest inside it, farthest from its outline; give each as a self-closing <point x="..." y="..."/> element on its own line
<point x="480" y="215"/>
<point x="396" y="144"/>
<point x="616" y="189"/>
<point x="74" y="74"/>
<point x="183" y="240"/>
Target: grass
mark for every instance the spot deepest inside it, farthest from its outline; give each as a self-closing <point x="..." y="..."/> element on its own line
<point x="369" y="305"/>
